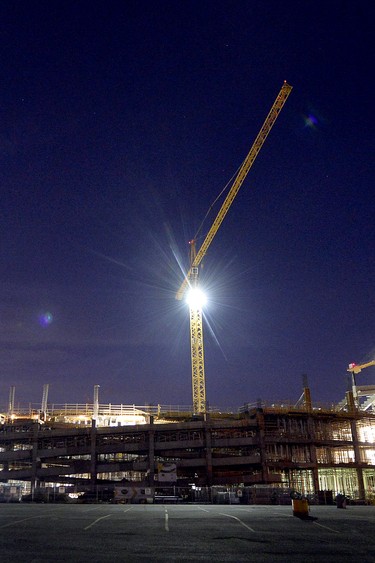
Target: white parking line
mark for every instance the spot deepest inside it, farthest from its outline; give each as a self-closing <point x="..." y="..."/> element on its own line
<point x="166" y="521"/>
<point x="326" y="527"/>
<point x="240" y="521"/>
<point x="97" y="520"/>
<point x="203" y="509"/>
<point x="23" y="520"/>
<point x="92" y="509"/>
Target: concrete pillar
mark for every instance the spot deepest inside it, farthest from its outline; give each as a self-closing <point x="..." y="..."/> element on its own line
<point x="44" y="404"/>
<point x="96" y="402"/>
<point x="12" y="392"/>
<point x="34" y="481"/>
<point x="208" y="443"/>
<point x="312" y="447"/>
<point x="307" y="399"/>
<point x="93" y="461"/>
<point x="350" y="401"/>
<point x="151" y="452"/>
<point x="262" y="446"/>
<point x="311" y="434"/>
<point x="357" y="454"/>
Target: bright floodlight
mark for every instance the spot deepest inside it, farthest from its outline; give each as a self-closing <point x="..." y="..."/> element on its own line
<point x="196" y="298"/>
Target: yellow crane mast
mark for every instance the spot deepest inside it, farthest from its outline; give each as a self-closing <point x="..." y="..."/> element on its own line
<point x="191" y="278"/>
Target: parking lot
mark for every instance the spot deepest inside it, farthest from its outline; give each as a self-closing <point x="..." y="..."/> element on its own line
<point x="31" y="533"/>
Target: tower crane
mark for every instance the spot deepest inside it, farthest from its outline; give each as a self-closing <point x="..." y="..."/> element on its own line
<point x="368" y="390"/>
<point x="191" y="278"/>
<point x="356" y="368"/>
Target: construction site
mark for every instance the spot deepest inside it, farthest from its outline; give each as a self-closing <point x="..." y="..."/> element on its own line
<point x="261" y="453"/>
<point x="148" y="454"/>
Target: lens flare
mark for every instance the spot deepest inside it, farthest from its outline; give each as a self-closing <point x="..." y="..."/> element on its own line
<point x="45" y="319"/>
<point x="310" y="121"/>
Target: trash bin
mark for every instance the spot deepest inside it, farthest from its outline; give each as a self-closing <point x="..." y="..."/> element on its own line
<point x="300" y="508"/>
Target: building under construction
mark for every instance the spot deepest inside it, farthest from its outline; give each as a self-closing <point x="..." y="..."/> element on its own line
<point x="255" y="454"/>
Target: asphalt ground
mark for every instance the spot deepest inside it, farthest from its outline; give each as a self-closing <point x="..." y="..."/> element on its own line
<point x="33" y="533"/>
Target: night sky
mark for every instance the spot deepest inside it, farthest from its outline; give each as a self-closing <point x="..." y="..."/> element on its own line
<point x="121" y="122"/>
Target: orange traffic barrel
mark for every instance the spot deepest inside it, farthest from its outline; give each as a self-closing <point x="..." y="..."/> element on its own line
<point x="300" y="507"/>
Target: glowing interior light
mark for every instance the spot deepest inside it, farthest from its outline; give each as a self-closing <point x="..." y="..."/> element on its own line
<point x="196" y="298"/>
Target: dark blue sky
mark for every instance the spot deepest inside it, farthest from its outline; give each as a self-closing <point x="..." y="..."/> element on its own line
<point x="120" y="124"/>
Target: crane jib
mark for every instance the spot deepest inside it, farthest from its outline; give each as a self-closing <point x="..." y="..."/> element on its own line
<point x="246" y="165"/>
